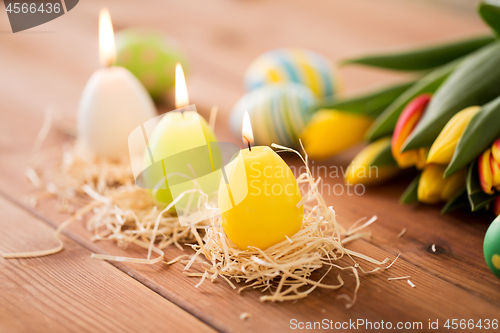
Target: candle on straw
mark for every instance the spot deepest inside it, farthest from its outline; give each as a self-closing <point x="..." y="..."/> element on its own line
<point x="267" y="212"/>
<point x="182" y="143"/>
<point x="113" y="102"/>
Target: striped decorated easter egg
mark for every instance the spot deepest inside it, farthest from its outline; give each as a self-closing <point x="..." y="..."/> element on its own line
<point x="292" y="64"/>
<point x="278" y="112"/>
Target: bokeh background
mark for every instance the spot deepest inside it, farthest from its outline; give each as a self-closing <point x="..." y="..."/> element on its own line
<point x="51" y="63"/>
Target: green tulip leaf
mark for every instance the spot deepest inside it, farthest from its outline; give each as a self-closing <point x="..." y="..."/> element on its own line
<point x="410" y="195"/>
<point x="423" y="58"/>
<point x="479" y="135"/>
<point x="385" y="123"/>
<point x="490" y="13"/>
<point x="460" y="200"/>
<point x="477" y="198"/>
<point x="371" y="103"/>
<point x="476" y="81"/>
<point x="384" y="158"/>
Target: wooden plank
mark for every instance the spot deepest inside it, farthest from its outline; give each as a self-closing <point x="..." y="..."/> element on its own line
<point x="379" y="299"/>
<point x="221" y="39"/>
<point x="69" y="291"/>
<point x="429" y="271"/>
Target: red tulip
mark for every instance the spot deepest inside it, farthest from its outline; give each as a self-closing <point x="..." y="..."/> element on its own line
<point x="495" y="173"/>
<point x="495" y="150"/>
<point x="485" y="173"/>
<point x="407" y="122"/>
<point x="496" y="206"/>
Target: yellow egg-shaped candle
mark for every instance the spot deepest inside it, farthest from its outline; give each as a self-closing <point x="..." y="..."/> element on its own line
<point x="259" y="201"/>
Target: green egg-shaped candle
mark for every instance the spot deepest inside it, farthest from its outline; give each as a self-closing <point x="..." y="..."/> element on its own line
<point x="491" y="247"/>
<point x="279" y="113"/>
<point x="151" y="57"/>
<point x="182" y="145"/>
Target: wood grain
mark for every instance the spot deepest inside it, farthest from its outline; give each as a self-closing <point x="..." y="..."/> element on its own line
<point x="221" y="38"/>
<point x="69" y="291"/>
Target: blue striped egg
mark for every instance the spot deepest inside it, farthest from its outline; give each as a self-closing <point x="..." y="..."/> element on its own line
<point x="292" y="64"/>
<point x="278" y="112"/>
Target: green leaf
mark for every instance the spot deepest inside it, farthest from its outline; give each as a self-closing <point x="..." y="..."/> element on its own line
<point x="460" y="200"/>
<point x="385" y="123"/>
<point x="410" y="195"/>
<point x="423" y="58"/>
<point x="476" y="81"/>
<point x="371" y="103"/>
<point x="480" y="133"/>
<point x="384" y="158"/>
<point x="477" y="198"/>
<point x="490" y="12"/>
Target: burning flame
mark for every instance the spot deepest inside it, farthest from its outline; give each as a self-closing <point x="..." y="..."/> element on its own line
<point x="181" y="93"/>
<point x="247" y="132"/>
<point x="107" y="50"/>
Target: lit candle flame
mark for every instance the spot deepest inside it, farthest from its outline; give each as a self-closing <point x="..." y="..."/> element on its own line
<point x="181" y="92"/>
<point x="247" y="132"/>
<point x="107" y="50"/>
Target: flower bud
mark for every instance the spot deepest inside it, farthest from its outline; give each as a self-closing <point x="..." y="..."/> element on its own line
<point x="360" y="171"/>
<point x="434" y="188"/>
<point x="495" y="173"/>
<point x="496" y="206"/>
<point x="331" y="131"/>
<point x="442" y="149"/>
<point x="485" y="174"/>
<point x="407" y="122"/>
<point x="495" y="150"/>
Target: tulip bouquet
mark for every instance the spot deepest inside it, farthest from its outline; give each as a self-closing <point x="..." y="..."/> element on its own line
<point x="446" y="123"/>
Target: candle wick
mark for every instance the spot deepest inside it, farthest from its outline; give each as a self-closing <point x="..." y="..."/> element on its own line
<point x="248" y="143"/>
<point x="181" y="110"/>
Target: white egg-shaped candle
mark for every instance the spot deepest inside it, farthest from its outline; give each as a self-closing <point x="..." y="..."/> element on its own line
<point x="113" y="102"/>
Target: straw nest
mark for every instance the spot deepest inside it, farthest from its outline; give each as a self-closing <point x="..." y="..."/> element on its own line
<point x="120" y="211"/>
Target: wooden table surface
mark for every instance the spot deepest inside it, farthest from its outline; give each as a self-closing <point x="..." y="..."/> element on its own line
<point x="69" y="291"/>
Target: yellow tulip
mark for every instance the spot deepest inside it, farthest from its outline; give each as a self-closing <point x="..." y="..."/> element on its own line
<point x="360" y="171"/>
<point x="442" y="149"/>
<point x="434" y="188"/>
<point x="453" y="184"/>
<point x="331" y="131"/>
